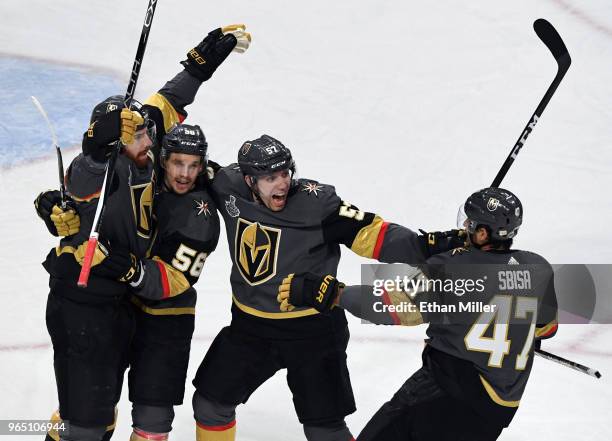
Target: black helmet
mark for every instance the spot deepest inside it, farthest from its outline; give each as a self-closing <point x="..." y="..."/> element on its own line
<point x="498" y="209"/>
<point x="263" y="156"/>
<point x="112" y="103"/>
<point x="117" y="102"/>
<point x="185" y="138"/>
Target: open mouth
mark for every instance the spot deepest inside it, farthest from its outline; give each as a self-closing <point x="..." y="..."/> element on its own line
<point x="279" y="199"/>
<point x="182" y="184"/>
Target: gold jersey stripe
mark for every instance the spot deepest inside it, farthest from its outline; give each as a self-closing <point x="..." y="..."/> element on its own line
<point x="162" y="311"/>
<point x="171" y="116"/>
<point x="405" y="315"/>
<point x="546" y="329"/>
<point x="496" y="398"/>
<point x="273" y="315"/>
<point x="364" y="243"/>
<point x="177" y="282"/>
<point x="67" y="249"/>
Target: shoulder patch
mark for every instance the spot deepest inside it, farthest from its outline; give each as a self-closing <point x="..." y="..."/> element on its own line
<point x="460" y="250"/>
<point x="201" y="207"/>
<point x="312" y="187"/>
<point x="230" y="206"/>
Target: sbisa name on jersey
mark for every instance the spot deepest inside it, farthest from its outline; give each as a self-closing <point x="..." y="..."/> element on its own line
<point x="517" y="279"/>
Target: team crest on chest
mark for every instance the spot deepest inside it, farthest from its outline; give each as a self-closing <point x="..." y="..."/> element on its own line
<point x="256" y="251"/>
<point x="142" y="206"/>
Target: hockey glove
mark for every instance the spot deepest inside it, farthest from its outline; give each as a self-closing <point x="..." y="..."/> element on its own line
<point x="118" y="265"/>
<point x="441" y="241"/>
<point x="120" y="124"/>
<point x="59" y="222"/>
<point x="206" y="57"/>
<point x="308" y="289"/>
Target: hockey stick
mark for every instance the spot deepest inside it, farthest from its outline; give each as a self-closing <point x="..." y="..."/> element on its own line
<point x="553" y="41"/>
<point x="60" y="162"/>
<point x="550" y="37"/>
<point x="570" y="364"/>
<point x="110" y="166"/>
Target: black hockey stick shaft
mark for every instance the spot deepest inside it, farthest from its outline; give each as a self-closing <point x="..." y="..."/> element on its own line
<point x="570" y="364"/>
<point x="551" y="38"/>
<point x="110" y="166"/>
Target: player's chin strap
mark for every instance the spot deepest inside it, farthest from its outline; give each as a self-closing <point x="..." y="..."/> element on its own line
<point x="254" y="190"/>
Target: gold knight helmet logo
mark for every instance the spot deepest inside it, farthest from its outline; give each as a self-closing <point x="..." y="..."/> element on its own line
<point x="256" y="251"/>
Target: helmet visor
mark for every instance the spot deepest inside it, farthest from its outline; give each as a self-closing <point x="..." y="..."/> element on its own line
<point x="462" y="219"/>
<point x="150" y="127"/>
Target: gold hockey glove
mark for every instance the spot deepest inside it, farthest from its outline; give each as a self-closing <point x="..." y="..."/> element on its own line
<point x="130" y="120"/>
<point x="117" y="125"/>
<point x="308" y="289"/>
<point x="59" y="222"/>
<point x="66" y="222"/>
<point x="118" y="265"/>
<point x="206" y="57"/>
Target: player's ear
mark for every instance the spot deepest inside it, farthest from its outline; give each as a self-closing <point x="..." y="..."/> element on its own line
<point x="482" y="235"/>
<point x="249" y="181"/>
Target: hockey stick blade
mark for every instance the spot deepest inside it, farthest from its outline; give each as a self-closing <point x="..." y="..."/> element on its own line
<point x="58" y="151"/>
<point x="551" y="38"/>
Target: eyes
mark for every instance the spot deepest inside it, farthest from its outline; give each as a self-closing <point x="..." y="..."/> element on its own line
<point x="139" y="136"/>
<point x="271" y="178"/>
<point x="191" y="166"/>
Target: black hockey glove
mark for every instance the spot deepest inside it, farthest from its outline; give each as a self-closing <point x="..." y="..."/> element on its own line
<point x="119" y="124"/>
<point x="441" y="241"/>
<point x="206" y="57"/>
<point x="118" y="265"/>
<point x="308" y="289"/>
<point x="59" y="222"/>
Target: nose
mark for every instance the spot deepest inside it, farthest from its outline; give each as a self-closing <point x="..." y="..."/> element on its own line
<point x="148" y="141"/>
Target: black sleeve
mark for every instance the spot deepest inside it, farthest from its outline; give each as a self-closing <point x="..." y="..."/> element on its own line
<point x="181" y="90"/>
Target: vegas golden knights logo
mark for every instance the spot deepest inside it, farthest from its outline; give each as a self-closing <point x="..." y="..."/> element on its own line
<point x="142" y="204"/>
<point x="256" y="251"/>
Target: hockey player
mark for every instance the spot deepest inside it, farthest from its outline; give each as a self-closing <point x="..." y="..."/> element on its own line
<point x="475" y="365"/>
<point x="91" y="328"/>
<point x="164" y="298"/>
<point x="278" y="224"/>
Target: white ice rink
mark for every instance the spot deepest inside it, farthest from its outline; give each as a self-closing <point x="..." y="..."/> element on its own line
<point x="406" y="107"/>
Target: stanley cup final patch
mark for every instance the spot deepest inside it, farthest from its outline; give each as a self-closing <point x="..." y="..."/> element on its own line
<point x="256" y="251"/>
<point x="230" y="207"/>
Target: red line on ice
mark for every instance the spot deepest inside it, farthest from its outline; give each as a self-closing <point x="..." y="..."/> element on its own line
<point x="583" y="17"/>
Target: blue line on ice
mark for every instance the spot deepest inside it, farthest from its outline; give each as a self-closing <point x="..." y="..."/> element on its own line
<point x="67" y="93"/>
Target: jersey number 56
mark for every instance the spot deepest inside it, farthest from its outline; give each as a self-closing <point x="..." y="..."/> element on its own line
<point x="188" y="259"/>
